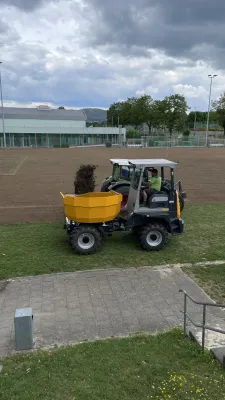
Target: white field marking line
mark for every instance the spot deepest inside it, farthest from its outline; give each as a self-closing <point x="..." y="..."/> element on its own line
<point x="29" y="206"/>
<point x="17" y="168"/>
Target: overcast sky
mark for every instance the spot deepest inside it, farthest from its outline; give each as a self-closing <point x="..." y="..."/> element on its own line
<point x="82" y="53"/>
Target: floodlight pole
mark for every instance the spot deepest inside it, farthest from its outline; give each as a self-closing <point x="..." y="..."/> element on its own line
<point x="211" y="77"/>
<point x="2" y="105"/>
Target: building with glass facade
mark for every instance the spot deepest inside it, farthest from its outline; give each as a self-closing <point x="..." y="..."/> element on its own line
<point x="47" y="127"/>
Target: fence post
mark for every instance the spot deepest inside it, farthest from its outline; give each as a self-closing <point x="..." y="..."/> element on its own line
<point x="203" y="326"/>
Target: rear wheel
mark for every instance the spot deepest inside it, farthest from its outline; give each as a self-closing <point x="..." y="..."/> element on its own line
<point x="86" y="240"/>
<point x="124" y="190"/>
<point x="105" y="186"/>
<point x="153" y="237"/>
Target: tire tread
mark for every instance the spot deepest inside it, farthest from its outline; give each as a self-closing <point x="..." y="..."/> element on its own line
<point x="154" y="226"/>
<point x="83" y="229"/>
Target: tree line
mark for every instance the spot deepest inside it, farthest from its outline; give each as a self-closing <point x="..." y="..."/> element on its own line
<point x="170" y="113"/>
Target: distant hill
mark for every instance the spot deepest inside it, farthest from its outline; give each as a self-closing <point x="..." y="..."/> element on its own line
<point x="95" y="114"/>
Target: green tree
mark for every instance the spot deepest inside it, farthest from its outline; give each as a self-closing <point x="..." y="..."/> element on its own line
<point x="132" y="134"/>
<point x="128" y="112"/>
<point x="219" y="108"/>
<point x="158" y="114"/>
<point x="201" y="117"/>
<point x="174" y="112"/>
<point x="123" y="112"/>
<point x="170" y="112"/>
<point x="142" y="111"/>
<point x="135" y="111"/>
<point x="115" y="113"/>
<point x="61" y="108"/>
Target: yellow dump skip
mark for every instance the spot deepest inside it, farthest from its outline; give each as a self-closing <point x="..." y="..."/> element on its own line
<point x="92" y="207"/>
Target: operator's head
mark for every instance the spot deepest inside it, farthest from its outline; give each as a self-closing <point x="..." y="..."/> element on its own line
<point x="154" y="171"/>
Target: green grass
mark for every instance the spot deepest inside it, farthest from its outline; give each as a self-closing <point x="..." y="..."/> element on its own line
<point x="30" y="249"/>
<point x="166" y="366"/>
<point x="211" y="278"/>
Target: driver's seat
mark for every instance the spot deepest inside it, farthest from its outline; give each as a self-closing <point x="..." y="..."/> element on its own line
<point x="157" y="200"/>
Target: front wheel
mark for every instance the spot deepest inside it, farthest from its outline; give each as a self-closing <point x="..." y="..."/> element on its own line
<point x="153" y="237"/>
<point x="86" y="240"/>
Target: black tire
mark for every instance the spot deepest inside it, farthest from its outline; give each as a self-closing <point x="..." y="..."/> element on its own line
<point x="153" y="237"/>
<point x="123" y="189"/>
<point x="105" y="186"/>
<point x="181" y="200"/>
<point x="86" y="240"/>
<point x="137" y="231"/>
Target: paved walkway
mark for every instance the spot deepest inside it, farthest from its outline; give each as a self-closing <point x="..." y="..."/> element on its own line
<point x="72" y="307"/>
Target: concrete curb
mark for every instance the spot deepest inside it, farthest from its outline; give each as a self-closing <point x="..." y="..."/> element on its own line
<point x="114" y="270"/>
<point x="217" y="352"/>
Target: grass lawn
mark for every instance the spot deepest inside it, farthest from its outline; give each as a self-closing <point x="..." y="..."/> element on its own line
<point x="30" y="249"/>
<point x="211" y="278"/>
<point x="166" y="366"/>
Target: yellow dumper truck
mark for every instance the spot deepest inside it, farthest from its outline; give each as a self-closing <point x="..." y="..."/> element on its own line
<point x="92" y="216"/>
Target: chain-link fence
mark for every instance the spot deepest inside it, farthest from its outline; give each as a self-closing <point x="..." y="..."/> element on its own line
<point x="165" y="142"/>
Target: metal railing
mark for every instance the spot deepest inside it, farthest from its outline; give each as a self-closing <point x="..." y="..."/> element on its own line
<point x="175" y="141"/>
<point x="203" y="326"/>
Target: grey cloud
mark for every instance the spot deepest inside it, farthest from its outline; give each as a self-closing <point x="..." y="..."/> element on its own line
<point x="27" y="5"/>
<point x="178" y="28"/>
<point x="7" y="34"/>
<point x="26" y="76"/>
<point x="3" y="26"/>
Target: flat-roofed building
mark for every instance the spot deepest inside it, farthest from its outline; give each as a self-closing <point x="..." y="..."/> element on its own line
<point x="47" y="127"/>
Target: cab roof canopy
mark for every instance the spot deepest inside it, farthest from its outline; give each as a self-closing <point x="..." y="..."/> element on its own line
<point x="152" y="163"/>
<point x="145" y="163"/>
<point x="120" y="161"/>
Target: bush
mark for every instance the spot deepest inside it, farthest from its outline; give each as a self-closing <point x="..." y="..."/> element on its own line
<point x="108" y="144"/>
<point x="63" y="145"/>
<point x="203" y="129"/>
<point x="132" y="134"/>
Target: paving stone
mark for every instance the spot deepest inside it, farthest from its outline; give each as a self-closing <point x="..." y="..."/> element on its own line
<point x="172" y="320"/>
<point x="74" y="328"/>
<point x="72" y="312"/>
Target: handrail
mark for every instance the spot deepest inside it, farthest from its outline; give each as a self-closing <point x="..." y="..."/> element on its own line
<point x="203" y="326"/>
<point x="212" y="304"/>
